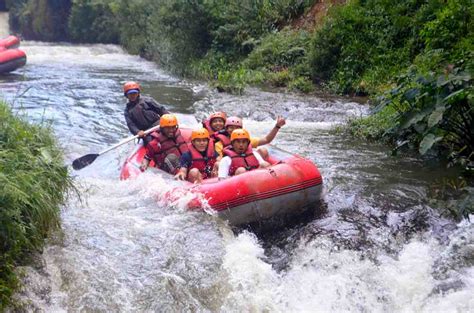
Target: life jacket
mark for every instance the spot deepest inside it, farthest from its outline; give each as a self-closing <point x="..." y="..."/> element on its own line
<point x="204" y="164"/>
<point x="222" y="136"/>
<point x="246" y="160"/>
<point x="207" y="125"/>
<point x="144" y="113"/>
<point x="176" y="145"/>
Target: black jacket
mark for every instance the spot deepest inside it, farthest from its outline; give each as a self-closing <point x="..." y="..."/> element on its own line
<point x="143" y="114"/>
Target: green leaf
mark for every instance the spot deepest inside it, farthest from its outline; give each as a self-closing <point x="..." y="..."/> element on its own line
<point x="46" y="155"/>
<point x="454" y="94"/>
<point x="435" y="117"/>
<point x="411" y="94"/>
<point x="414" y="117"/>
<point x="428" y="142"/>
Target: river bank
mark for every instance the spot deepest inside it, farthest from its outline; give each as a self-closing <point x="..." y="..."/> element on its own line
<point x="31" y="193"/>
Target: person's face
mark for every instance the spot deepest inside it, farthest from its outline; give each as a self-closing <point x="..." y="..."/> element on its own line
<point x="231" y="128"/>
<point x="217" y="124"/>
<point x="133" y="96"/>
<point x="200" y="144"/>
<point x="240" y="145"/>
<point x="169" y="131"/>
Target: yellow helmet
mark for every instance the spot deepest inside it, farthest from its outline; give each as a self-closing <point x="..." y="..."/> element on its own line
<point x="239" y="134"/>
<point x="168" y="120"/>
<point x="200" y="134"/>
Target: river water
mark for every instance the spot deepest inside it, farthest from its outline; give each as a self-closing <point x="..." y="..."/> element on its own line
<point x="375" y="246"/>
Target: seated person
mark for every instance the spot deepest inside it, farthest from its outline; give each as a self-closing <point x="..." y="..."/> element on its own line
<point x="200" y="161"/>
<point x="215" y="122"/>
<point x="141" y="113"/>
<point x="239" y="156"/>
<point x="166" y="147"/>
<point x="222" y="138"/>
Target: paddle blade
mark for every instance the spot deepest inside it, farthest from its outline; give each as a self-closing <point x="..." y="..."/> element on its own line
<point x="83" y="161"/>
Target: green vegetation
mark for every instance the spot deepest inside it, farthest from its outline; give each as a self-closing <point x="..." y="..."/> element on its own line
<point x="33" y="182"/>
<point x="40" y="19"/>
<point x="413" y="57"/>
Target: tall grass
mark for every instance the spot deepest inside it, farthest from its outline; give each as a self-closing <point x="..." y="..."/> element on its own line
<point x="33" y="183"/>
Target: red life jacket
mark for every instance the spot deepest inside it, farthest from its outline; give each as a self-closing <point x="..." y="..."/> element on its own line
<point x="246" y="160"/>
<point x="176" y="145"/>
<point x="203" y="164"/>
<point x="207" y="125"/>
<point x="223" y="137"/>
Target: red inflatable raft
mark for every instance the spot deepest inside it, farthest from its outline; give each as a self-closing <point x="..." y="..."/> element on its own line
<point x="290" y="186"/>
<point x="11" y="59"/>
<point x="11" y="42"/>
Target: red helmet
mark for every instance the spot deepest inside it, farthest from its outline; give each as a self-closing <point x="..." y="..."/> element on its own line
<point x="128" y="86"/>
<point x="221" y="115"/>
<point x="234" y="121"/>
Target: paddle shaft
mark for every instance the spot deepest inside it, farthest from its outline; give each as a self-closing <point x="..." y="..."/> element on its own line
<point x="128" y="140"/>
<point x="87" y="159"/>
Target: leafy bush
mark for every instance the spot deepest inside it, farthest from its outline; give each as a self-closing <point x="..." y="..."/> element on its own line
<point x="367" y="43"/>
<point x="40" y="19"/>
<point x="280" y="78"/>
<point x="94" y="21"/>
<point x="33" y="181"/>
<point x="279" y="50"/>
<point x="302" y="84"/>
<point x="434" y="111"/>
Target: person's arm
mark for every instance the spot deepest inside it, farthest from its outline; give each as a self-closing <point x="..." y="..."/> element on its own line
<point x="131" y="125"/>
<point x="271" y="135"/>
<point x="224" y="166"/>
<point x="184" y="164"/>
<point x="260" y="160"/>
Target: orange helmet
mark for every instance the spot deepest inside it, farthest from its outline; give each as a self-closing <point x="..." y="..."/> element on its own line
<point x="129" y="86"/>
<point x="239" y="134"/>
<point x="221" y="115"/>
<point x="234" y="121"/>
<point x="168" y="120"/>
<point x="200" y="134"/>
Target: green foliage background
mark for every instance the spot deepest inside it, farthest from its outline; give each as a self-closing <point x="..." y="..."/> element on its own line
<point x="33" y="182"/>
<point x="379" y="48"/>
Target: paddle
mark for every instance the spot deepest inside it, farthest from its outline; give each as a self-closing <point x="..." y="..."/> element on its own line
<point x="87" y="159"/>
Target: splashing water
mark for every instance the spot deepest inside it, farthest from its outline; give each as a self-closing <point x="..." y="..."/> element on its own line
<point x="376" y="247"/>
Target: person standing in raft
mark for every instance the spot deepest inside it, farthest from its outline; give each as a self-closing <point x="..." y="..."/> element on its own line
<point x="222" y="138"/>
<point x="239" y="156"/>
<point x="141" y="113"/>
<point x="215" y="122"/>
<point x="166" y="147"/>
<point x="201" y="160"/>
